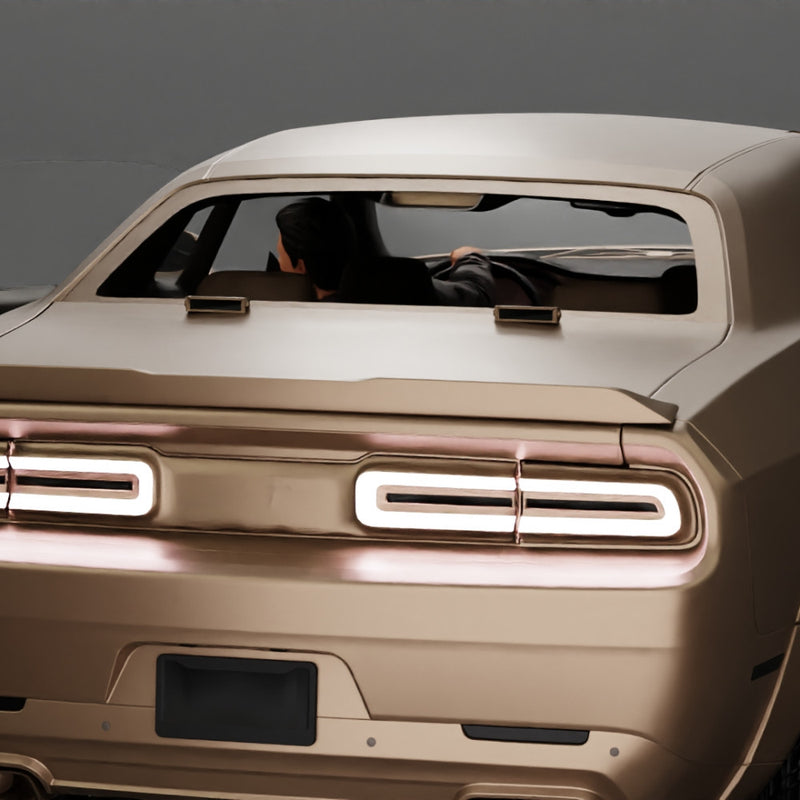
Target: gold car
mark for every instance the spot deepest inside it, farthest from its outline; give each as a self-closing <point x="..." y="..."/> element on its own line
<point x="508" y="512"/>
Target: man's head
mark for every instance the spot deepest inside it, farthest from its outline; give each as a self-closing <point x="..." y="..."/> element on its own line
<point x="316" y="238"/>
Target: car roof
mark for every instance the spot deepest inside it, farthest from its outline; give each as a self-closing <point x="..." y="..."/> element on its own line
<point x="647" y="151"/>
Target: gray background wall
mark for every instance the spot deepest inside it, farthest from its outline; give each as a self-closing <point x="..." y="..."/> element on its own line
<point x="102" y="101"/>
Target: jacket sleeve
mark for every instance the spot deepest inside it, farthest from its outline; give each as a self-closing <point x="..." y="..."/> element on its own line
<point x="469" y="282"/>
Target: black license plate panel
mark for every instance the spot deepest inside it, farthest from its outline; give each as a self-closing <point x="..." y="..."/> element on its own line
<point x="236" y="699"/>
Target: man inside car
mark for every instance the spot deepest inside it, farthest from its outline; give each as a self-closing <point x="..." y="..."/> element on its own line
<point x="316" y="239"/>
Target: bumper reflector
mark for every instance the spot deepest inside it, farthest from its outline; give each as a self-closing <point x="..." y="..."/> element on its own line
<point x="498" y="733"/>
<point x="119" y="487"/>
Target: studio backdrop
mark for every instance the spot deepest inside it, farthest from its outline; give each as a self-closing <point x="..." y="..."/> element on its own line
<point x="102" y="101"/>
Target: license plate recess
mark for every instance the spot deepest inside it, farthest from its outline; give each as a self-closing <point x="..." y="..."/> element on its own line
<point x="236" y="699"/>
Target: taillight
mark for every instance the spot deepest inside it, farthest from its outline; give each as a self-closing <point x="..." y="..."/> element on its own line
<point x="431" y="501"/>
<point x="598" y="508"/>
<point x="3" y="482"/>
<point x="119" y="487"/>
<point x="547" y="504"/>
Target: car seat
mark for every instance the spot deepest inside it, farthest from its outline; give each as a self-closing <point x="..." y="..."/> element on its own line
<point x="258" y="285"/>
<point x="388" y="280"/>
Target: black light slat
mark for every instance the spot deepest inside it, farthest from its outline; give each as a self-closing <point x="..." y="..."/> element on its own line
<point x="590" y="505"/>
<point x="73" y="483"/>
<point x="449" y="500"/>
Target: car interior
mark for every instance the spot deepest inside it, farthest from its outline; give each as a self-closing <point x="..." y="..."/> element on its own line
<point x="639" y="259"/>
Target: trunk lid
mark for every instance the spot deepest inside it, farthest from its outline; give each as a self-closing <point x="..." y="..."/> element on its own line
<point x="594" y="368"/>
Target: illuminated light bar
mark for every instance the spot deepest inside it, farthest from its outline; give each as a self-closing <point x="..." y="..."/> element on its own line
<point x="426" y="501"/>
<point x="118" y="487"/>
<point x="598" y="508"/>
<point x="3" y="483"/>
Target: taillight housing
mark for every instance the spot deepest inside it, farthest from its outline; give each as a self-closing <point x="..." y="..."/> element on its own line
<point x="3" y="482"/>
<point x="436" y="501"/>
<point x="605" y="506"/>
<point x="544" y="504"/>
<point x="78" y="485"/>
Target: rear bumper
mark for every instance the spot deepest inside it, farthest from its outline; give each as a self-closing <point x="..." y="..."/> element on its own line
<point x="113" y="748"/>
<point x="654" y="653"/>
<point x="401" y="663"/>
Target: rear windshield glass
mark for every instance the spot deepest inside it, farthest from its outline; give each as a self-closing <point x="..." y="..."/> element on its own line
<point x="421" y="249"/>
<point x="524" y="224"/>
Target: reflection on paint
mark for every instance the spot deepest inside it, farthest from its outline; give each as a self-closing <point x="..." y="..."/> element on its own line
<point x="69" y="549"/>
<point x="525" y="568"/>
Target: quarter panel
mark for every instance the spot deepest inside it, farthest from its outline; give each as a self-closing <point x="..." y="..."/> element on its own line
<point x="742" y="398"/>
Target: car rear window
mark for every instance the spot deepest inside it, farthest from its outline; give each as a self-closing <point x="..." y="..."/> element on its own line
<point x="518" y="250"/>
<point x="528" y="223"/>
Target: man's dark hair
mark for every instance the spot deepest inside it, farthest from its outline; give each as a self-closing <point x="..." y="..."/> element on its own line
<point x="320" y="233"/>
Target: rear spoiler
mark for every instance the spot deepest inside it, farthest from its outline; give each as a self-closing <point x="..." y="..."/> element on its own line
<point x="588" y="404"/>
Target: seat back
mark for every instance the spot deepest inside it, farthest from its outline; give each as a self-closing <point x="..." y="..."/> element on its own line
<point x="388" y="280"/>
<point x="258" y="285"/>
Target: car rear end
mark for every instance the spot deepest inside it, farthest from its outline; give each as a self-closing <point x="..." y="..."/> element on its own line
<point x="352" y="551"/>
<point x="316" y="604"/>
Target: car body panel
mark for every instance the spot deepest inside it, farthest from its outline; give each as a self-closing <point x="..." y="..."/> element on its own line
<point x="174" y="352"/>
<point x="459" y="630"/>
<point x="608" y="149"/>
<point x="677" y="658"/>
